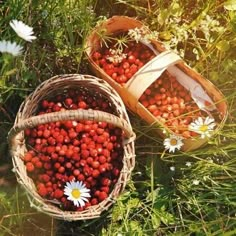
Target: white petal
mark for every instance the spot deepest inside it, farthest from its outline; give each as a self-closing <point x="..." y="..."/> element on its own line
<point x="81" y="202"/>
<point x="85" y="195"/>
<point x="84" y="199"/>
<point x="11" y="48"/>
<point x="76" y="202"/>
<point x="209" y="120"/>
<point x="22" y="30"/>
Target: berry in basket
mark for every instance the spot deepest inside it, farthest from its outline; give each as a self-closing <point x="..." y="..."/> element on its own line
<point x="155" y="83"/>
<point x="75" y="163"/>
<point x="72" y="147"/>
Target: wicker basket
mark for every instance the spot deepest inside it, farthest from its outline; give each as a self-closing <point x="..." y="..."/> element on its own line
<point x="134" y="88"/>
<point x="26" y="119"/>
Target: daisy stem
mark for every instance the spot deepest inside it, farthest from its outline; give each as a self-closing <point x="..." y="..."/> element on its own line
<point x="152" y="180"/>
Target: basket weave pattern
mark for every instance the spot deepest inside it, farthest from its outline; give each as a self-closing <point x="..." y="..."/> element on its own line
<point x="26" y="119"/>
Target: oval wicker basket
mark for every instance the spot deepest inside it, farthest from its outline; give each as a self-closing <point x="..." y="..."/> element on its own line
<point x="26" y="119"/>
<point x="133" y="89"/>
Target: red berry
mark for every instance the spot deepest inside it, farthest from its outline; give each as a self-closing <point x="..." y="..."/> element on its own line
<point x="42" y="191"/>
<point x="29" y="167"/>
<point x="39" y="164"/>
<point x="102" y="196"/>
<point x="28" y="157"/>
<point x="105" y="181"/>
<point x="61" y="169"/>
<point x="80" y="177"/>
<point x="102" y="168"/>
<point x="95" y="173"/>
<point x="102" y="159"/>
<point x="94" y="201"/>
<point x="82" y="105"/>
<point x="76" y="172"/>
<point x="105" y="189"/>
<point x="95" y="164"/>
<point x="58" y="193"/>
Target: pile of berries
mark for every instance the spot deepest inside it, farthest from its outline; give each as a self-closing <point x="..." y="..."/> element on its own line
<point x="172" y="104"/>
<point x="132" y="58"/>
<point x="166" y="98"/>
<point x="63" y="151"/>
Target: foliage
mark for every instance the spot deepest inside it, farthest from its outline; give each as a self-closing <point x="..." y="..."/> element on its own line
<point x="193" y="199"/>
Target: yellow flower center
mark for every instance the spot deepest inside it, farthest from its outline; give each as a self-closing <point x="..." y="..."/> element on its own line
<point x="173" y="142"/>
<point x="75" y="193"/>
<point x="203" y="128"/>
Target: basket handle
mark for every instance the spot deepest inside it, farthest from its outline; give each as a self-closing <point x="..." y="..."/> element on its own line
<point x="150" y="72"/>
<point x="80" y="114"/>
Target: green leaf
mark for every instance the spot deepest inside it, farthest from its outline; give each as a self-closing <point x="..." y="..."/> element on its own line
<point x="155" y="219"/>
<point x="233" y="21"/>
<point x="135" y="202"/>
<point x="163" y="16"/>
<point x="176" y="10"/>
<point x="230" y="5"/>
<point x="165" y="35"/>
<point x="135" y="227"/>
<point x="223" y="46"/>
<point x="118" y="211"/>
<point x="214" y="76"/>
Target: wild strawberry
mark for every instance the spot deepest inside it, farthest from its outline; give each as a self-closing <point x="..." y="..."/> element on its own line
<point x="80" y="177"/>
<point x="28" y="157"/>
<point x="102" y="159"/>
<point x="44" y="104"/>
<point x="58" y="193"/>
<point x="61" y="169"/>
<point x="116" y="172"/>
<point x="95" y="173"/>
<point x="102" y="168"/>
<point x="95" y="164"/>
<point x="39" y="164"/>
<point x="42" y="191"/>
<point x="102" y="196"/>
<point x="94" y="201"/>
<point x="105" y="181"/>
<point x="76" y="172"/>
<point x="105" y="189"/>
<point x="29" y="167"/>
<point x="82" y="105"/>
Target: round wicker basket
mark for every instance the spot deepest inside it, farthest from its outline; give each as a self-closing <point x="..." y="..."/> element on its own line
<point x="26" y="119"/>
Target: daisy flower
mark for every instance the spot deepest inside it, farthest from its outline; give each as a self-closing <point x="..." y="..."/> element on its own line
<point x="196" y="182"/>
<point x="203" y="127"/>
<point x="188" y="164"/>
<point x="173" y="142"/>
<point x="172" y="168"/>
<point x="11" y="48"/>
<point x="77" y="192"/>
<point x="22" y="30"/>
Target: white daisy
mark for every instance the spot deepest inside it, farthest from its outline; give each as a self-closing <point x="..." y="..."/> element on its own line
<point x="188" y="164"/>
<point x="203" y="127"/>
<point x="9" y="47"/>
<point x="196" y="182"/>
<point x="22" y="30"/>
<point x="77" y="192"/>
<point x="173" y="142"/>
<point x="172" y="168"/>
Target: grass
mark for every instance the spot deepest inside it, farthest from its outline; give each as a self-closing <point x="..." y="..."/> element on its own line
<point x="191" y="200"/>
